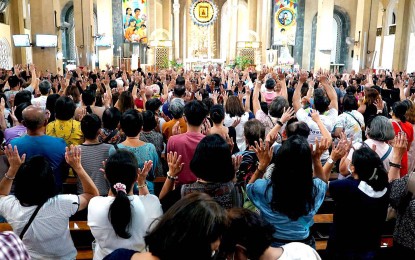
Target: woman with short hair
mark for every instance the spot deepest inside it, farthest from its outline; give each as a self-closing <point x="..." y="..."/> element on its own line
<point x="235" y="112"/>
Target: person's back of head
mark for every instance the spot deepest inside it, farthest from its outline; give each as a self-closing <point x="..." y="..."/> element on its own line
<point x="131" y="122"/>
<point x="44" y="87"/>
<point x="64" y="108"/>
<point x="153" y="104"/>
<point x="217" y="114"/>
<point x="180" y="81"/>
<point x="88" y="99"/>
<point x="369" y="168"/>
<point x="188" y="230"/>
<point x="253" y="131"/>
<point x="208" y="103"/>
<point x="321" y="102"/>
<point x="19" y="110"/>
<point x="399" y="110"/>
<point x="234" y="106"/>
<point x="90" y="126"/>
<point x="125" y="101"/>
<point x="293" y="191"/>
<point x="22" y="97"/>
<point x="50" y="105"/>
<point x="294" y="127"/>
<point x="34" y="118"/>
<point x="248" y="230"/>
<point x="176" y="108"/>
<point x="179" y="91"/>
<point x="35" y="182"/>
<point x="113" y="84"/>
<point x="212" y="151"/>
<point x="121" y="173"/>
<point x="195" y="112"/>
<point x="149" y="121"/>
<point x="111" y="118"/>
<point x="13" y="81"/>
<point x="350" y="103"/>
<point x="380" y="128"/>
<point x="270" y="84"/>
<point x="276" y="108"/>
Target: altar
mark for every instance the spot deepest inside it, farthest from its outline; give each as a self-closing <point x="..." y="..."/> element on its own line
<point x="198" y="63"/>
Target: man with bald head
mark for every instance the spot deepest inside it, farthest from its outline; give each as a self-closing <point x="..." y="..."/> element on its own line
<point x="36" y="142"/>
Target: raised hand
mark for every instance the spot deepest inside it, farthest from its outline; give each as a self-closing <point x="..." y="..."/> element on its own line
<point x="73" y="156"/>
<point x="264" y="153"/>
<point x="175" y="163"/>
<point x="319" y="148"/>
<point x="14" y="158"/>
<point x="287" y="115"/>
<point x="236" y="161"/>
<point x="142" y="173"/>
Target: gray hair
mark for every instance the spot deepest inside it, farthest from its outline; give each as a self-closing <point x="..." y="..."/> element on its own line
<point x="44" y="87"/>
<point x="380" y="129"/>
<point x="276" y="108"/>
<point x="176" y="108"/>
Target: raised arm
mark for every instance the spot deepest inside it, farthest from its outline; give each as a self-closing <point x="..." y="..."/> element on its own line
<point x="264" y="154"/>
<point x="400" y="144"/>
<point x="324" y="132"/>
<point x="297" y="91"/>
<point x="14" y="161"/>
<point x="175" y="167"/>
<point x="73" y="158"/>
<point x="320" y="147"/>
<point x="255" y="96"/>
<point x="331" y="93"/>
<point x="281" y="80"/>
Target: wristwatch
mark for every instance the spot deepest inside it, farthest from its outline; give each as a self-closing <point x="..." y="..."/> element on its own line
<point x="329" y="160"/>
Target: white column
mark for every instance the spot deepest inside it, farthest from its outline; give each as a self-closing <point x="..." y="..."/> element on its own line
<point x="233" y="16"/>
<point x="176" y="15"/>
<point x="104" y="17"/>
<point x="324" y="34"/>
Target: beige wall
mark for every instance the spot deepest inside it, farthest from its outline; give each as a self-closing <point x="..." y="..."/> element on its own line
<point x="5" y="32"/>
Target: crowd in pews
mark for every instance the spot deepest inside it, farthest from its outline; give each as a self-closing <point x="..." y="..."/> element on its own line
<point x="220" y="163"/>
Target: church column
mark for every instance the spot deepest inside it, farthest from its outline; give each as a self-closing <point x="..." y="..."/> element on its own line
<point x="265" y="33"/>
<point x="17" y="27"/>
<point x="252" y="12"/>
<point x="176" y="17"/>
<point x="324" y="32"/>
<point x="104" y="17"/>
<point x="43" y="22"/>
<point x="84" y="28"/>
<point x="233" y="16"/>
<point x="401" y="35"/>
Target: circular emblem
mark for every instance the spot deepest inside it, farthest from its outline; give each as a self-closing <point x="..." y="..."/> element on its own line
<point x="285" y="17"/>
<point x="203" y="12"/>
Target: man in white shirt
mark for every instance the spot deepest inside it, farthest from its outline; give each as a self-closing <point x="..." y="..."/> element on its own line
<point x="327" y="106"/>
<point x="44" y="88"/>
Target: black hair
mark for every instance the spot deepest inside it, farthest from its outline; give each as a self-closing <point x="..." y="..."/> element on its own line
<point x="369" y="168"/>
<point x="23" y="96"/>
<point x="349" y="102"/>
<point x="217" y="114"/>
<point x="399" y="110"/>
<point x="187" y="230"/>
<point x="44" y="87"/>
<point x="208" y="103"/>
<point x="111" y="118"/>
<point x="131" y="122"/>
<point x="253" y="131"/>
<point x="50" y="105"/>
<point x="195" y="112"/>
<point x="153" y="104"/>
<point x="88" y="98"/>
<point x="248" y="229"/>
<point x="35" y="182"/>
<point x="264" y="107"/>
<point x="137" y="9"/>
<point x="179" y="91"/>
<point x="213" y="148"/>
<point x="149" y="121"/>
<point x="294" y="127"/>
<point x="113" y="84"/>
<point x="90" y="126"/>
<point x="13" y="81"/>
<point x="64" y="108"/>
<point x="121" y="167"/>
<point x="293" y="190"/>
<point x="19" y="110"/>
<point x="180" y="81"/>
<point x="321" y="102"/>
<point x="270" y="83"/>
<point x="126" y="10"/>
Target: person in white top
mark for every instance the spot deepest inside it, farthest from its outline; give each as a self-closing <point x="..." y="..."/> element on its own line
<point x="327" y="106"/>
<point x="44" y="88"/>
<point x="378" y="132"/>
<point x="122" y="219"/>
<point x="249" y="236"/>
<point x="47" y="236"/>
<point x="236" y="112"/>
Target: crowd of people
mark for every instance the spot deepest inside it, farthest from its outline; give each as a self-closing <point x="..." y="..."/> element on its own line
<point x="248" y="159"/>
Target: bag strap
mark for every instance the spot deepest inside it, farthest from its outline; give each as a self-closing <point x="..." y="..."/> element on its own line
<point x="108" y="138"/>
<point x="354" y="118"/>
<point x="400" y="128"/>
<point x="386" y="154"/>
<point x="30" y="221"/>
<point x="116" y="147"/>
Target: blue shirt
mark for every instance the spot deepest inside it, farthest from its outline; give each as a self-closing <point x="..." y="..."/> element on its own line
<point x="52" y="148"/>
<point x="260" y="193"/>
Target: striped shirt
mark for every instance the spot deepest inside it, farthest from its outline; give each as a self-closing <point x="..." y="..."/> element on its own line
<point x="12" y="248"/>
<point x="92" y="157"/>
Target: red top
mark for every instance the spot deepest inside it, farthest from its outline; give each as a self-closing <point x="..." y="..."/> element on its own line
<point x="409" y="131"/>
<point x="185" y="145"/>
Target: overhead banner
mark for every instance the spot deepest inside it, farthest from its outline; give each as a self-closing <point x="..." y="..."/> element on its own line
<point x="135" y="20"/>
<point x="203" y="12"/>
<point x="285" y="22"/>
